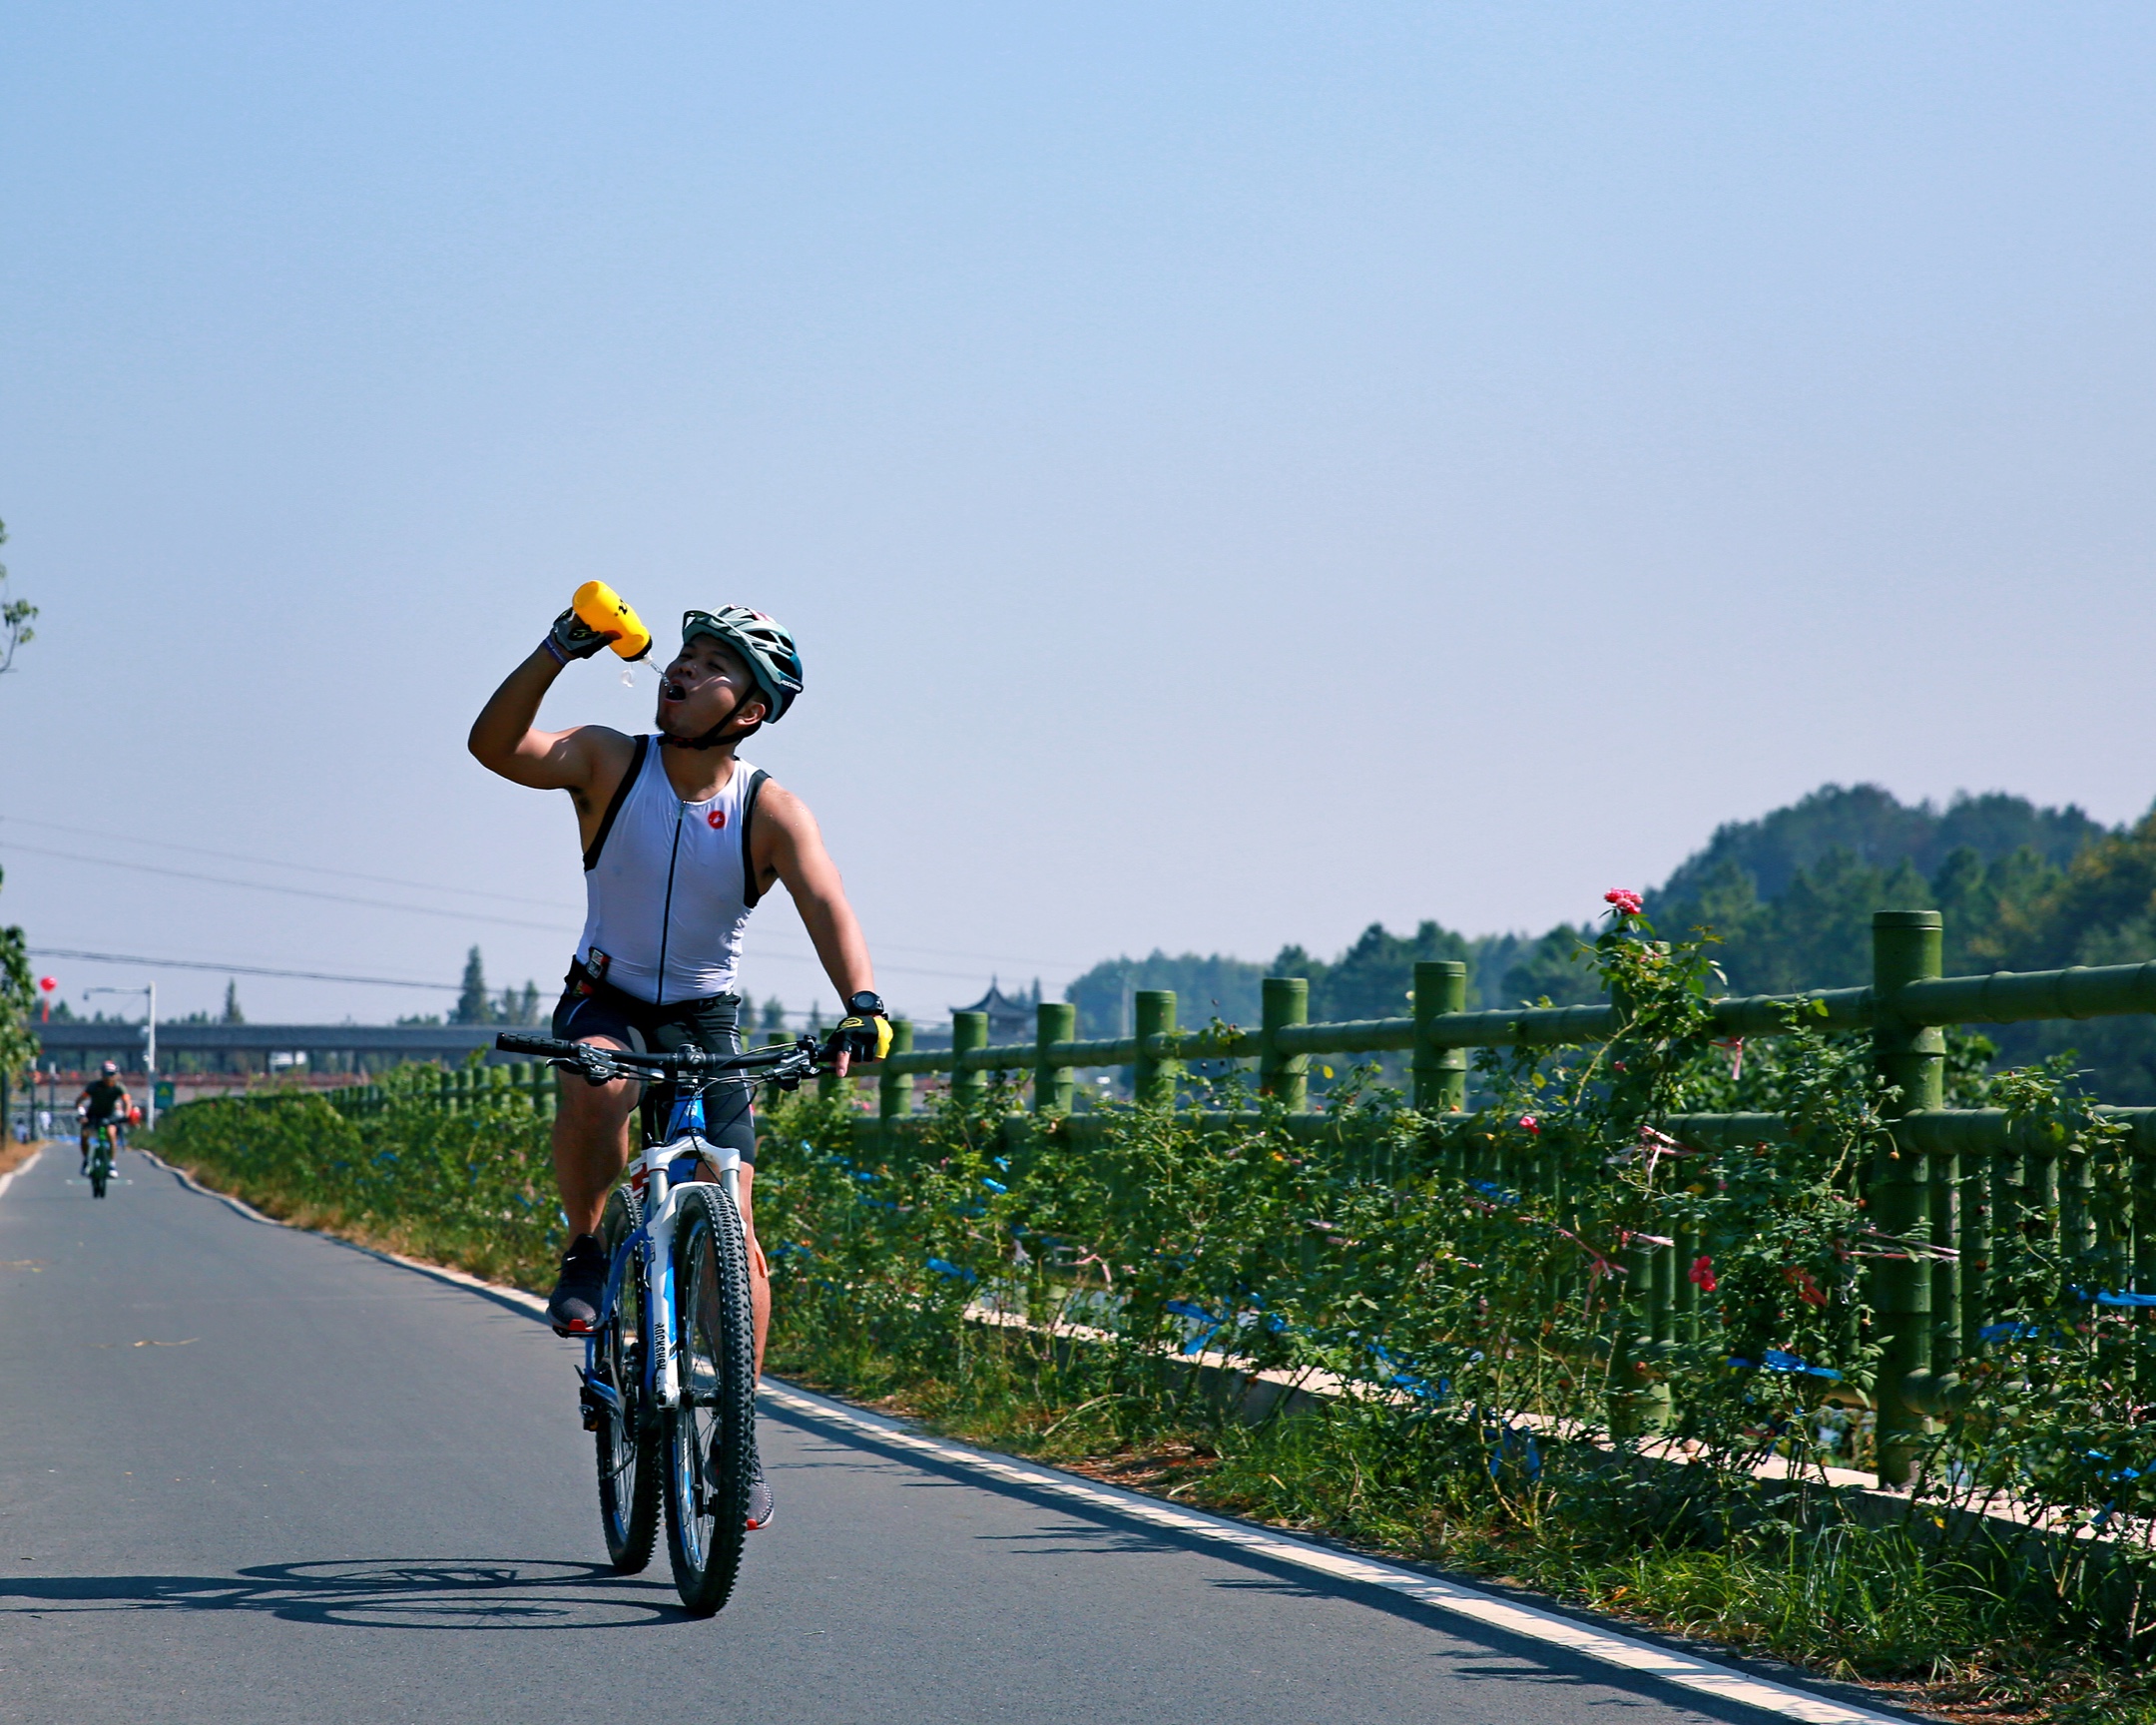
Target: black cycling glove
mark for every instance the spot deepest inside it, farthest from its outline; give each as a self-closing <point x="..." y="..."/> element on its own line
<point x="573" y="638"/>
<point x="864" y="1032"/>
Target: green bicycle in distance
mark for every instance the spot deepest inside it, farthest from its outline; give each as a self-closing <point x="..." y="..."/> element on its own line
<point x="105" y="1146"/>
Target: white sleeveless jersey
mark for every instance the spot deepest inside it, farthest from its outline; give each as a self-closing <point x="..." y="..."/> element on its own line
<point x="668" y="885"/>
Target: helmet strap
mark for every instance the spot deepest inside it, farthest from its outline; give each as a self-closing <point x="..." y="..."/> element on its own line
<point x="709" y="740"/>
<point x="716" y="735"/>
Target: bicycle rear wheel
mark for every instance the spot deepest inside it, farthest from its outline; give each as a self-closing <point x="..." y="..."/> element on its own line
<point x="711" y="1447"/>
<point x="627" y="1431"/>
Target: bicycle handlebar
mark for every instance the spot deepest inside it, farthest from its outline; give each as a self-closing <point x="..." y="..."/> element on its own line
<point x="786" y="1062"/>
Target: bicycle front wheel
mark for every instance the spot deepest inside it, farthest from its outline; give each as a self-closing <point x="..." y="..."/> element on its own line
<point x="627" y="1431"/>
<point x="711" y="1433"/>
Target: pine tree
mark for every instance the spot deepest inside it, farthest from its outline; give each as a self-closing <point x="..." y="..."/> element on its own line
<point x="232" y="1014"/>
<point x="473" y="1006"/>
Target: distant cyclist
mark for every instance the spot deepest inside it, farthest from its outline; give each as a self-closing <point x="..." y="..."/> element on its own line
<point x="103" y="1104"/>
<point x="681" y="839"/>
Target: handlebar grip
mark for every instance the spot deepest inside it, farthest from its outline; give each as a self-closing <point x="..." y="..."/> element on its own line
<point x="511" y="1042"/>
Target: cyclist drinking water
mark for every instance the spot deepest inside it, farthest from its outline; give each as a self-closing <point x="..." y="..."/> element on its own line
<point x="681" y="839"/>
<point x="103" y="1104"/>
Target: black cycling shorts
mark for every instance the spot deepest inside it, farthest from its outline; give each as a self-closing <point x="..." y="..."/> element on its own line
<point x="589" y="1008"/>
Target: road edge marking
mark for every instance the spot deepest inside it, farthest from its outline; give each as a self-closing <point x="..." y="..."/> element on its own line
<point x="463" y="1279"/>
<point x="23" y="1167"/>
<point x="1605" y="1646"/>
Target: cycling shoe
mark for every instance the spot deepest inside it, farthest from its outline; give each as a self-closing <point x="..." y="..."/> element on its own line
<point x="573" y="1307"/>
<point x="761" y="1505"/>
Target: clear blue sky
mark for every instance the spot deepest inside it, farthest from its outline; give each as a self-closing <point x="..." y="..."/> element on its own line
<point x="1237" y="471"/>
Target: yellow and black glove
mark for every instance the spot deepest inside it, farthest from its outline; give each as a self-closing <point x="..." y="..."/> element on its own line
<point x="864" y="1032"/>
<point x="573" y="638"/>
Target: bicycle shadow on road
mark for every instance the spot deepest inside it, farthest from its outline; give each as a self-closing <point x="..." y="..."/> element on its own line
<point x="394" y="1593"/>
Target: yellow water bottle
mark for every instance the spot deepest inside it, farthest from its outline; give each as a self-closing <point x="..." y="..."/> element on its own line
<point x="607" y="613"/>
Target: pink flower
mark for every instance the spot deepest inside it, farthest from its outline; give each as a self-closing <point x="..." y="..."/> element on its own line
<point x="1703" y="1274"/>
<point x="1626" y="901"/>
<point x="1528" y="1121"/>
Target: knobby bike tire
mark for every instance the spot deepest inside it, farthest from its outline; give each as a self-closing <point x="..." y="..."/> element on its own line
<point x="628" y="1438"/>
<point x="710" y="1434"/>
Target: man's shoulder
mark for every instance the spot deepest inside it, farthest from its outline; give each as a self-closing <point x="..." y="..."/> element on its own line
<point x="603" y="738"/>
<point x="774" y="799"/>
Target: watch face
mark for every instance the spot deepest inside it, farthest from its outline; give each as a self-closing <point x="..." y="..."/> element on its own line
<point x="865" y="1001"/>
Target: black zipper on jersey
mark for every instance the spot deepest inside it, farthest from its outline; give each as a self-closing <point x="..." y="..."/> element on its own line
<point x="666" y="915"/>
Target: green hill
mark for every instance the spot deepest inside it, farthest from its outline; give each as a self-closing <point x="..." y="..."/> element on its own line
<point x="1791" y="898"/>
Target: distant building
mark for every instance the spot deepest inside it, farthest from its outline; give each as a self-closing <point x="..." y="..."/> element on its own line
<point x="1011" y="1018"/>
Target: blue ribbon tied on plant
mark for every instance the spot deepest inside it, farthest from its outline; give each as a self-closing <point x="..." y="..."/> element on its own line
<point x="1778" y="1360"/>
<point x="1196" y="1315"/>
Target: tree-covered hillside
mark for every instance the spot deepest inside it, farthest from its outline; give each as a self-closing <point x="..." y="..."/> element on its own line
<point x="1791" y="898"/>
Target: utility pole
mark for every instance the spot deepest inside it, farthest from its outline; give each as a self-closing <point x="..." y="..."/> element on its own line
<point x="149" y="992"/>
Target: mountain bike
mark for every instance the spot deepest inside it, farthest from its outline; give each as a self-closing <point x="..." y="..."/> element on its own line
<point x="105" y="1147"/>
<point x="669" y="1376"/>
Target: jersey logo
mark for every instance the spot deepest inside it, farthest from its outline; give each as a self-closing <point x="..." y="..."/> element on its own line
<point x="717" y="817"/>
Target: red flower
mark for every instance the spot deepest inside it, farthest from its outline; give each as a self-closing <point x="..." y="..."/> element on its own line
<point x="1808" y="1290"/>
<point x="1626" y="901"/>
<point x="1528" y="1121"/>
<point x="1703" y="1274"/>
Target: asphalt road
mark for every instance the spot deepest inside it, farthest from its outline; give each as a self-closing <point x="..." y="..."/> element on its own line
<point x="248" y="1473"/>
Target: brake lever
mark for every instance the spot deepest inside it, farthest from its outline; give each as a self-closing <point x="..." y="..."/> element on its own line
<point x="594" y="1067"/>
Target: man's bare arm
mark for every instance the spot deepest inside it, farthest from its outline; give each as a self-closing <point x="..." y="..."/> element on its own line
<point x="503" y="739"/>
<point x="795" y="851"/>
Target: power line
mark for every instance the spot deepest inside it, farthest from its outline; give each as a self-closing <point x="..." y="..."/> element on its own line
<point x="237" y="969"/>
<point x="287" y="892"/>
<point x="802" y="1013"/>
<point x="298" y="867"/>
<point x="417" y="885"/>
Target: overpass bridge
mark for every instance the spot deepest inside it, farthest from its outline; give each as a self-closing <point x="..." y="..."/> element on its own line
<point x="75" y="1046"/>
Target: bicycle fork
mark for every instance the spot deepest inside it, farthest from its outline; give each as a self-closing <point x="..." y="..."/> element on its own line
<point x="654" y="1237"/>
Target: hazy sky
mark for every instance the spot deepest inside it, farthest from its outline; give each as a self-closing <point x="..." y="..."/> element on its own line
<point x="1236" y="473"/>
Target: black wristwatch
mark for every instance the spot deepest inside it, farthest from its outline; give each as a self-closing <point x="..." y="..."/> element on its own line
<point x="866" y="1004"/>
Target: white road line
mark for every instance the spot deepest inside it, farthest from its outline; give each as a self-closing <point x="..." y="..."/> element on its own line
<point x="24" y="1167"/>
<point x="1529" y="1621"/>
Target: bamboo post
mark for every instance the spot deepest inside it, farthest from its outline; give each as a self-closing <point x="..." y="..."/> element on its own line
<point x="1440" y="1074"/>
<point x="1154" y="1077"/>
<point x="1975" y="1242"/>
<point x="968" y="1030"/>
<point x="1053" y="1021"/>
<point x="2144" y="1265"/>
<point x="895" y="1090"/>
<point x="1907" y="947"/>
<point x="1944" y="1194"/>
<point x="1284" y="1000"/>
